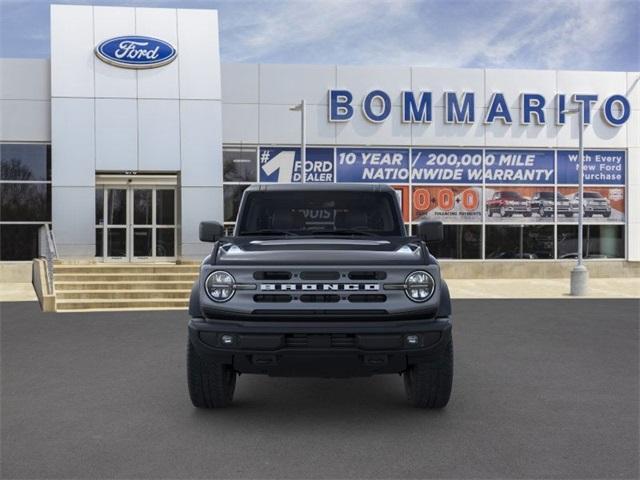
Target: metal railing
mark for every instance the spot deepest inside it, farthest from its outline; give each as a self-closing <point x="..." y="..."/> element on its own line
<point x="48" y="250"/>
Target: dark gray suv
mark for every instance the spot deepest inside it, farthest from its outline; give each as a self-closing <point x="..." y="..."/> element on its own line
<point x="320" y="280"/>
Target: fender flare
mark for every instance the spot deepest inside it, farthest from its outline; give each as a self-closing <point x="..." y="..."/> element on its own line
<point x="444" y="307"/>
<point x="194" y="300"/>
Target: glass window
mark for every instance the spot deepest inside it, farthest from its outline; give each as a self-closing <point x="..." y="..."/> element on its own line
<point x="239" y="164"/>
<point x="25" y="162"/>
<point x="142" y="206"/>
<point x="99" y="242"/>
<point x="142" y="242"/>
<point x="25" y="202"/>
<point x="99" y="206"/>
<point x="460" y="241"/>
<point x="165" y="242"/>
<point x="599" y="241"/>
<point x="528" y="242"/>
<point x="117" y="207"/>
<point x="317" y="212"/>
<point x="232" y="196"/>
<point x="18" y="242"/>
<point x="165" y="207"/>
<point x="117" y="242"/>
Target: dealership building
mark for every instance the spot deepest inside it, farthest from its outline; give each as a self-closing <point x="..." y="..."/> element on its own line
<point x="123" y="161"/>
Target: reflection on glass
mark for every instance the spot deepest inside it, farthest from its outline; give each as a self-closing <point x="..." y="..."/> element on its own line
<point x="460" y="241"/>
<point x="142" y="206"/>
<point x="239" y="164"/>
<point x="99" y="206"/>
<point x="142" y="242"/>
<point x="18" y="242"/>
<point x="117" y="242"/>
<point x="25" y="162"/>
<point x="165" y="207"/>
<point x="99" y="242"/>
<point x="117" y="207"/>
<point x="232" y="196"/>
<point x="165" y="242"/>
<point x="529" y="242"/>
<point x="25" y="202"/>
<point x="599" y="241"/>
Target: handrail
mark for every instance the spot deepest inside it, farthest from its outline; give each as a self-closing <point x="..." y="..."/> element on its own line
<point x="50" y="253"/>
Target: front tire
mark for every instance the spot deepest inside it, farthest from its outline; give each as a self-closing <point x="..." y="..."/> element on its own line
<point x="428" y="384"/>
<point x="211" y="385"/>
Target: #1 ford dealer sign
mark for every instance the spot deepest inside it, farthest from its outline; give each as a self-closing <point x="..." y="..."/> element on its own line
<point x="135" y="51"/>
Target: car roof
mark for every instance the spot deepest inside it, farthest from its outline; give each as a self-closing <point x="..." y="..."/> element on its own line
<point x="319" y="187"/>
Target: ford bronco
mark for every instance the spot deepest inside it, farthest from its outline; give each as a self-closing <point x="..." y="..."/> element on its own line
<point x="320" y="280"/>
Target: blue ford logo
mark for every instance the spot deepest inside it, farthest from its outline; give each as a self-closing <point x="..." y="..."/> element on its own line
<point x="134" y="51"/>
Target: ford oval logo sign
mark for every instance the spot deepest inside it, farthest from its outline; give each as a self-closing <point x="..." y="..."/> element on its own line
<point x="134" y="51"/>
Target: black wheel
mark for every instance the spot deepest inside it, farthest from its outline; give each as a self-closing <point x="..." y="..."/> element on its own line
<point x="606" y="214"/>
<point x="490" y="212"/>
<point x="211" y="385"/>
<point x="568" y="215"/>
<point x="428" y="384"/>
<point x="527" y="214"/>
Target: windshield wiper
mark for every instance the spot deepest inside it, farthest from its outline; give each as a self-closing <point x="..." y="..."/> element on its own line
<point x="267" y="231"/>
<point x="341" y="232"/>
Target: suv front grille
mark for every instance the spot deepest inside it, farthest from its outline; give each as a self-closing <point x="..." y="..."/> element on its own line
<point x="319" y="298"/>
<point x="366" y="298"/>
<point x="335" y="340"/>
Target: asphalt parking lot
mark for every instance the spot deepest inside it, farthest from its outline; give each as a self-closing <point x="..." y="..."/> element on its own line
<point x="542" y="389"/>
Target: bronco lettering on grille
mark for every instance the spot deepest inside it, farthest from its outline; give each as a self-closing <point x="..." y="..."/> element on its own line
<point x="324" y="287"/>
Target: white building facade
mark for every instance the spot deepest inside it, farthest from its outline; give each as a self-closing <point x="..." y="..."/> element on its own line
<point x="124" y="162"/>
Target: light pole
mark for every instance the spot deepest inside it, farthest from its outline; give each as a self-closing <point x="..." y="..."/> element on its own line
<point x="580" y="274"/>
<point x="303" y="136"/>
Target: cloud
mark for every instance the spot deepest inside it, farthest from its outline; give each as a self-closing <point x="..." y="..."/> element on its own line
<point x="545" y="34"/>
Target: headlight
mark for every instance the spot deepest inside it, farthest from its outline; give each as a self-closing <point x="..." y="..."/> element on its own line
<point x="220" y="286"/>
<point x="419" y="286"/>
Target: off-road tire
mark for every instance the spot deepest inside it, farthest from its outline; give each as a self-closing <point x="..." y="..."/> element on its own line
<point x="211" y="385"/>
<point x="606" y="214"/>
<point x="428" y="384"/>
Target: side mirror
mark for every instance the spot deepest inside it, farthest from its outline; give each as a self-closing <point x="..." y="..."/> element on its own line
<point x="210" y="231"/>
<point x="430" y="231"/>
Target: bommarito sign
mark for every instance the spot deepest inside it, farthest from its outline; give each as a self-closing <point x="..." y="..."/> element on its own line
<point x="460" y="108"/>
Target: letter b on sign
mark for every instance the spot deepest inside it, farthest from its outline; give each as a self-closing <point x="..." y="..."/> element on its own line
<point x="340" y="109"/>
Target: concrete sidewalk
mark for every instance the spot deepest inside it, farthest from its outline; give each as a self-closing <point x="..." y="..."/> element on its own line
<point x="541" y="288"/>
<point x="17" y="292"/>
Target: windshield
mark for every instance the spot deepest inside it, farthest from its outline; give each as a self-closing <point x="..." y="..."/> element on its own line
<point x="360" y="213"/>
<point x="546" y="195"/>
<point x="512" y="196"/>
<point x="592" y="195"/>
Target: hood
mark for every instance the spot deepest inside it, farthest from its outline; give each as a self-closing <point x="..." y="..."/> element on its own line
<point x="320" y="251"/>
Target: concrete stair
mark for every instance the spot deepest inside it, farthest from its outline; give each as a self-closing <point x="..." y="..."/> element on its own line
<point x="109" y="287"/>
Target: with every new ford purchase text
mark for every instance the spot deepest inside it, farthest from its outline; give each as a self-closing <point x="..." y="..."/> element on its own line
<point x="320" y="280"/>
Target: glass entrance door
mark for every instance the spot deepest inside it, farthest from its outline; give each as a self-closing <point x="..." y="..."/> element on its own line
<point x="136" y="223"/>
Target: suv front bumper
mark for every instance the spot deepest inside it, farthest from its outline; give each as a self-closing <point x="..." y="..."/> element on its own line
<point x="319" y="349"/>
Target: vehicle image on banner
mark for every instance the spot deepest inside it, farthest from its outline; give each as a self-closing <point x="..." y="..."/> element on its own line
<point x="543" y="204"/>
<point x="507" y="203"/>
<point x="320" y="280"/>
<point x="594" y="204"/>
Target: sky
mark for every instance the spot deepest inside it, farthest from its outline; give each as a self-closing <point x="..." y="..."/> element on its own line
<point x="534" y="34"/>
